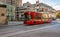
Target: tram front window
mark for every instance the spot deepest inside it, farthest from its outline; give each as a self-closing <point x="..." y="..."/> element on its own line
<point x="27" y="17"/>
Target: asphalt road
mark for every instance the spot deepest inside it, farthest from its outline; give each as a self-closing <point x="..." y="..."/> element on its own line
<point x="42" y="30"/>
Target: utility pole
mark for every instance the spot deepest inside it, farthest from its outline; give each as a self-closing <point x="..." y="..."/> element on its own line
<point x="11" y="2"/>
<point x="11" y="5"/>
<point x="11" y="10"/>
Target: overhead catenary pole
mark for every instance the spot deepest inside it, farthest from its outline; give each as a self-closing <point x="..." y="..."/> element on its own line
<point x="11" y="2"/>
<point x="11" y="9"/>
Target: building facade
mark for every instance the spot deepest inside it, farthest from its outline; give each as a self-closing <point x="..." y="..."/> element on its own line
<point x="37" y="7"/>
<point x="19" y="12"/>
<point x="10" y="12"/>
<point x="16" y="3"/>
<point x="11" y="7"/>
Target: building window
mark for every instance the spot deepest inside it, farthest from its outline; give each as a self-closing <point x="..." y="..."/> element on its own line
<point x="2" y="14"/>
<point x="37" y="10"/>
<point x="28" y="6"/>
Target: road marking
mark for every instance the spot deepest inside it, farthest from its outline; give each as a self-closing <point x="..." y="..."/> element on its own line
<point x="11" y="34"/>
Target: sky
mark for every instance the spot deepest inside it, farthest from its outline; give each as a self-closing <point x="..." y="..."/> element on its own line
<point x="53" y="3"/>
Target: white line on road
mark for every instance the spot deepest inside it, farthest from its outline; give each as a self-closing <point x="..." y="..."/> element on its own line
<point x="11" y="34"/>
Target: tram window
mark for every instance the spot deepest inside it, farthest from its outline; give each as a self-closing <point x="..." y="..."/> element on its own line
<point x="29" y="17"/>
<point x="45" y="16"/>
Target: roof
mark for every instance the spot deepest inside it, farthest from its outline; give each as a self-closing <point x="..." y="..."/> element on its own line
<point x="2" y="4"/>
<point x="42" y="4"/>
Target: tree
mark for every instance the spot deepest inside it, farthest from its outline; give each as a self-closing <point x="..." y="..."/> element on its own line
<point x="58" y="14"/>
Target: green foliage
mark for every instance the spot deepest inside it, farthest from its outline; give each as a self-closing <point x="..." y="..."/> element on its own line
<point x="58" y="15"/>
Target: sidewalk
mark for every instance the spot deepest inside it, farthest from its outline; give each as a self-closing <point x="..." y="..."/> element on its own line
<point x="15" y="22"/>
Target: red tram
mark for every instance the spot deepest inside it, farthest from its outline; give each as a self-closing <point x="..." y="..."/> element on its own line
<point x="32" y="18"/>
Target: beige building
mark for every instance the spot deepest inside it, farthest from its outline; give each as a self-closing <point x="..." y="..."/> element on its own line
<point x="3" y="18"/>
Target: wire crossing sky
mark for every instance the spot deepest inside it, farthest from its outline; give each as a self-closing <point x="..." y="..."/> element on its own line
<point x="53" y="3"/>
